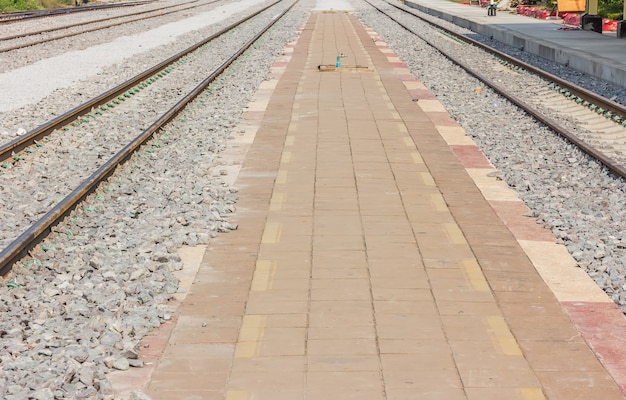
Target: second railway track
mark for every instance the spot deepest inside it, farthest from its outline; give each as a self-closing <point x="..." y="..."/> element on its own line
<point x="114" y="96"/>
<point x="597" y="125"/>
<point x="41" y="36"/>
<point x="101" y="279"/>
<point x="100" y="128"/>
<point x="11" y="17"/>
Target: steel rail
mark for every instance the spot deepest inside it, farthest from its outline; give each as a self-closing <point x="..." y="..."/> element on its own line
<point x="581" y="92"/>
<point x="22" y="15"/>
<point x="602" y="158"/>
<point x="33" y="235"/>
<point x="30" y="138"/>
<point x="33" y="33"/>
<point x="21" y="46"/>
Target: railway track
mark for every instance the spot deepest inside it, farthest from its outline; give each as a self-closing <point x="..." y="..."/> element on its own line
<point x="17" y="41"/>
<point x="600" y="122"/>
<point x="21" y="155"/>
<point x="107" y="99"/>
<point x="34" y="14"/>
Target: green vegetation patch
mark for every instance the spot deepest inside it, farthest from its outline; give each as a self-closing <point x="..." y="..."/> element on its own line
<point x="27" y="5"/>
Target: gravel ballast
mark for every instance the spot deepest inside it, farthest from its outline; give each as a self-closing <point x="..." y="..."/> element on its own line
<point x="78" y="306"/>
<point x="101" y="134"/>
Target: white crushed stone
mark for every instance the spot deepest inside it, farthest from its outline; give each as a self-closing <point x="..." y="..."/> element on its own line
<point x="34" y="82"/>
<point x="328" y="5"/>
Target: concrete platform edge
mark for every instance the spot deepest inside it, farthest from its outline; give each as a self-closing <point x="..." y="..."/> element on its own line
<point x="591" y="64"/>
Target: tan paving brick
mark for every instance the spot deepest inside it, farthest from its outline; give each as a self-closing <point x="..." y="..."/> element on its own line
<point x="214" y="350"/>
<point x="264" y="395"/>
<point x="437" y="346"/>
<point x="269" y="363"/>
<point x="406" y="307"/>
<point x="278" y="295"/>
<point x="345" y="380"/>
<point x="345" y="347"/>
<point x="340" y="293"/>
<point x="163" y="394"/>
<point x="346" y="394"/>
<point x="506" y="393"/>
<point x="267" y="381"/>
<point x="277" y="307"/>
<point x="402" y="294"/>
<point x="576" y="356"/>
<point x="399" y="393"/>
<point x="339" y="273"/>
<point x="201" y="381"/>
<point x="422" y="378"/>
<point x="194" y="365"/>
<point x="467" y="308"/>
<point x="406" y="362"/>
<point x="498" y="377"/>
<point x="340" y="332"/>
<point x="579" y="385"/>
<point x="200" y="334"/>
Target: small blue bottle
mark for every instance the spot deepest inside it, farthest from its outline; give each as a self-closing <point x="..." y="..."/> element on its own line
<point x="338" y="63"/>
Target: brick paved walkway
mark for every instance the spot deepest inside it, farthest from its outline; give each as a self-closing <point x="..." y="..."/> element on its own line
<point x="368" y="264"/>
